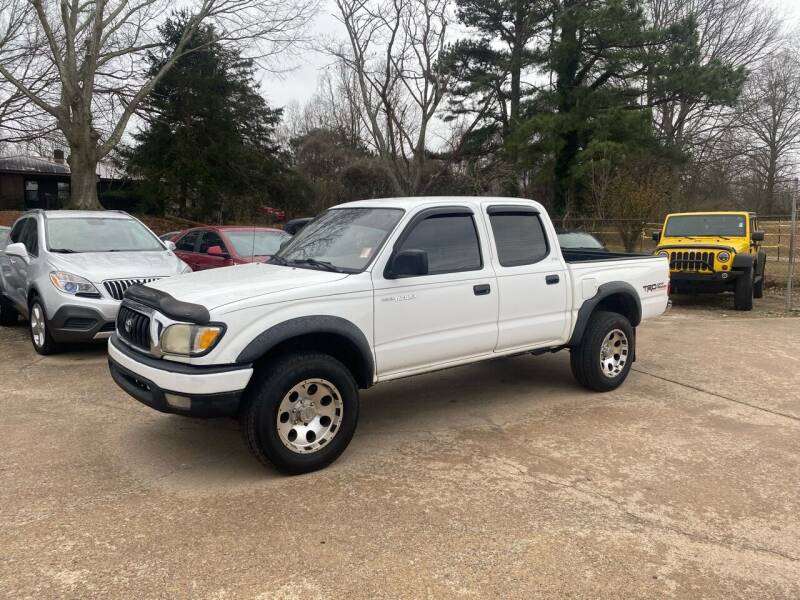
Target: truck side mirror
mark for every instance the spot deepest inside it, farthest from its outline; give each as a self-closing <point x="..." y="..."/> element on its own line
<point x="408" y="263"/>
<point x="757" y="236"/>
<point x="19" y="250"/>
<point x="656" y="236"/>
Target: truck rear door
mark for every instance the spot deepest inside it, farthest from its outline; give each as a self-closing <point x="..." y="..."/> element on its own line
<point x="532" y="278"/>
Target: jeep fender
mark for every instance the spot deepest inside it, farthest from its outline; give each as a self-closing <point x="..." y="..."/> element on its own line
<point x="615" y="291"/>
<point x="742" y="262"/>
<point x="353" y="342"/>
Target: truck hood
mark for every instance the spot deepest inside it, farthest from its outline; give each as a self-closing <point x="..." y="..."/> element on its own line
<point x="99" y="266"/>
<point x="216" y="287"/>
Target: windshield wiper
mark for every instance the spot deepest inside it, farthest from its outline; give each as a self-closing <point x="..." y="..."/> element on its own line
<point x="63" y="250"/>
<point x="279" y="260"/>
<point x="313" y="262"/>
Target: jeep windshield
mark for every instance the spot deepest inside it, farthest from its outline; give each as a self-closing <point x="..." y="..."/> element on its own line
<point x="705" y="226"/>
<point x="99" y="234"/>
<point x="341" y="239"/>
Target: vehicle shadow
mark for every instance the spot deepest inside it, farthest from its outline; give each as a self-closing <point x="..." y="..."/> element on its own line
<point x="207" y="455"/>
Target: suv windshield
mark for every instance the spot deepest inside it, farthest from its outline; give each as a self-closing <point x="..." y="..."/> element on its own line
<point x="343" y="239"/>
<point x="99" y="234"/>
<point x="256" y="243"/>
<point x="705" y="225"/>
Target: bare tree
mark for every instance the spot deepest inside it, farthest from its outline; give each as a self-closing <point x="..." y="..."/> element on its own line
<point x="770" y="117"/>
<point x="96" y="50"/>
<point x="394" y="49"/>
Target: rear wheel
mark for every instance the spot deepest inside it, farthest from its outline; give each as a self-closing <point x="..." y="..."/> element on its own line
<point x="603" y="359"/>
<point x="758" y="288"/>
<point x="743" y="291"/>
<point x="41" y="339"/>
<point x="301" y="413"/>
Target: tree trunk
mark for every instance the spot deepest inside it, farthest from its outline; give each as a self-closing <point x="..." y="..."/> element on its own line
<point x="83" y="180"/>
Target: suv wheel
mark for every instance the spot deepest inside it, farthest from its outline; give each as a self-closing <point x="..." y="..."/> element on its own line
<point x="42" y="341"/>
<point x="743" y="291"/>
<point x="603" y="359"/>
<point x="758" y="288"/>
<point x="301" y="413"/>
<point x="8" y="315"/>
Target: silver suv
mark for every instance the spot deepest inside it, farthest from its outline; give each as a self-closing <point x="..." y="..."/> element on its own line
<point x="67" y="271"/>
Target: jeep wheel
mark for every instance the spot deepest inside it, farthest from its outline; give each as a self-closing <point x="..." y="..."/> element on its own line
<point x="42" y="341"/>
<point x="743" y="291"/>
<point x="603" y="359"/>
<point x="8" y="315"/>
<point x="758" y="288"/>
<point x="301" y="413"/>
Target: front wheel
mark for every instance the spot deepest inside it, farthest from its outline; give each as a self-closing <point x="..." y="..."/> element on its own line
<point x="603" y="359"/>
<point x="41" y="339"/>
<point x="301" y="413"/>
<point x="743" y="291"/>
<point x="758" y="288"/>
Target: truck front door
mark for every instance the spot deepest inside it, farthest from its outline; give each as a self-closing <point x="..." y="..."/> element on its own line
<point x="447" y="315"/>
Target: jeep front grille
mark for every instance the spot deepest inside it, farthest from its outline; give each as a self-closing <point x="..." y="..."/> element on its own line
<point x="688" y="260"/>
<point x="117" y="287"/>
<point x="134" y="327"/>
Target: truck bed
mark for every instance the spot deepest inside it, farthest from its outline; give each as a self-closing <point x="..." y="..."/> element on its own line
<point x="579" y="256"/>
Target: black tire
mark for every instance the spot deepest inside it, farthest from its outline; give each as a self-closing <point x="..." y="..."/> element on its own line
<point x="8" y="315"/>
<point x="758" y="288"/>
<point x="260" y="414"/>
<point x="743" y="291"/>
<point x="586" y="357"/>
<point x="42" y="341"/>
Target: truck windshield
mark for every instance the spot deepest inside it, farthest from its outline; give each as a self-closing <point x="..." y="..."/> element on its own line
<point x="341" y="239"/>
<point x="705" y="225"/>
<point x="99" y="234"/>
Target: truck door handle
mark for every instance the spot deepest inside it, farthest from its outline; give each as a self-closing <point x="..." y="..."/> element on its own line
<point x="482" y="289"/>
<point x="552" y="279"/>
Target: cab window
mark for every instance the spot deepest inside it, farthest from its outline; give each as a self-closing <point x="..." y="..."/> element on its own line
<point x="450" y="240"/>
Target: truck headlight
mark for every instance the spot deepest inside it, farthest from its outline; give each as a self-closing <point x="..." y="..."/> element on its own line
<point x="73" y="284"/>
<point x="190" y="340"/>
<point x="723" y="256"/>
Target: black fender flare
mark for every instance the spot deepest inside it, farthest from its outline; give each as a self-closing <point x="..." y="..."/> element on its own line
<point x="742" y="262"/>
<point x="606" y="290"/>
<point x="313" y="324"/>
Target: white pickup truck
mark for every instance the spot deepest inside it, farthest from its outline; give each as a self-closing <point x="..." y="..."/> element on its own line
<point x="372" y="291"/>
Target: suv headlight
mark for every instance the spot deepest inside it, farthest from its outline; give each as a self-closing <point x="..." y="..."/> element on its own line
<point x="723" y="256"/>
<point x="190" y="340"/>
<point x="72" y="284"/>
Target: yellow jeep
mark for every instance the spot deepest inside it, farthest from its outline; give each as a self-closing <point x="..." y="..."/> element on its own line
<point x="714" y="252"/>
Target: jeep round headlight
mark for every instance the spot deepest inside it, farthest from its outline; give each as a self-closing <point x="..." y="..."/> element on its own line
<point x="190" y="340"/>
<point x="723" y="256"/>
<point x="662" y="253"/>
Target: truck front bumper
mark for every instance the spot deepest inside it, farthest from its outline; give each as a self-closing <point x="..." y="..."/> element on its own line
<point x="170" y="387"/>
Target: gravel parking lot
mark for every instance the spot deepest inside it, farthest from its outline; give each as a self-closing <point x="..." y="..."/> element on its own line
<point x="503" y="479"/>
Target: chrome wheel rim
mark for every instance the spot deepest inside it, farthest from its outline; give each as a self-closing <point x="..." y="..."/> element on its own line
<point x="37" y="325"/>
<point x="614" y="353"/>
<point x="309" y="416"/>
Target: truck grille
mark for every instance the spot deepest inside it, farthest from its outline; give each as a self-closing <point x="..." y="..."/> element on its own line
<point x="117" y="287"/>
<point x="687" y="260"/>
<point x="134" y="327"/>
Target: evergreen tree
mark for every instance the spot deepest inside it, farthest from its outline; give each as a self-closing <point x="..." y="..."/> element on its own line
<point x="208" y="147"/>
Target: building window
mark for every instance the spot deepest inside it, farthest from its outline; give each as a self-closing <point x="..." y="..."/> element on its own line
<point x="31" y="191"/>
<point x="63" y="192"/>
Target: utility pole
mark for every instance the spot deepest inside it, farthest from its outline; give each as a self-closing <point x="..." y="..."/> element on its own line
<point x="792" y="247"/>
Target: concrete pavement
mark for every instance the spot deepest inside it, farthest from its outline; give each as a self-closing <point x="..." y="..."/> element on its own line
<point x="502" y="479"/>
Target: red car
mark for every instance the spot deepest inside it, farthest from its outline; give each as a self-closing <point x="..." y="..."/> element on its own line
<point x="211" y="247"/>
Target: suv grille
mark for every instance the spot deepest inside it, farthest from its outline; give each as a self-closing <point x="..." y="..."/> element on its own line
<point x="682" y="260"/>
<point x="134" y="327"/>
<point x="117" y="287"/>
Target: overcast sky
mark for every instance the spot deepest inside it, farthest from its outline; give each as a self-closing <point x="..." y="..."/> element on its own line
<point x="300" y="82"/>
